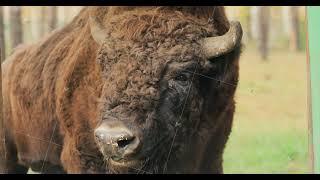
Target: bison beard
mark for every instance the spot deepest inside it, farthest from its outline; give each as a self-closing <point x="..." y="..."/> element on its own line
<point x="129" y="90"/>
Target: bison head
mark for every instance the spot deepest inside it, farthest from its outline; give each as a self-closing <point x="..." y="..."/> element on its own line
<point x="167" y="101"/>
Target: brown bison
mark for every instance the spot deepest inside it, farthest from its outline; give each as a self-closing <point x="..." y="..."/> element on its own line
<point x="123" y="90"/>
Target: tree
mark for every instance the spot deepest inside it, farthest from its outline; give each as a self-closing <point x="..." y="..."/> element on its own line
<point x="285" y="20"/>
<point x="294" y="29"/>
<point x="16" y="31"/>
<point x="263" y="14"/>
<point x="254" y="22"/>
<point x="2" y="134"/>
<point x="244" y="15"/>
<point x="248" y="18"/>
<point x="49" y="19"/>
<point x="2" y="42"/>
<point x="52" y="17"/>
<point x="43" y="21"/>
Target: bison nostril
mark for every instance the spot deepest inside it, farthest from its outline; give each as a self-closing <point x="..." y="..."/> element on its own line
<point x="117" y="141"/>
<point x="124" y="142"/>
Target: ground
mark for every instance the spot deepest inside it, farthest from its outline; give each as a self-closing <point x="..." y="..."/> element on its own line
<point x="270" y="131"/>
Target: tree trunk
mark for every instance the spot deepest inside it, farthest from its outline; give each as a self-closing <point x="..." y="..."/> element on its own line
<point x="285" y="20"/>
<point x="294" y="29"/>
<point x="2" y="133"/>
<point x="263" y="31"/>
<point x="2" y="42"/>
<point x="16" y="26"/>
<point x="52" y="17"/>
<point x="249" y="32"/>
<point x="254" y="22"/>
<point x="43" y="21"/>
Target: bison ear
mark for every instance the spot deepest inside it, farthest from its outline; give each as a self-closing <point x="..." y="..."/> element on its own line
<point x="98" y="32"/>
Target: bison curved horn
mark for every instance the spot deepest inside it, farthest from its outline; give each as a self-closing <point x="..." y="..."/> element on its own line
<point x="220" y="45"/>
<point x="98" y="32"/>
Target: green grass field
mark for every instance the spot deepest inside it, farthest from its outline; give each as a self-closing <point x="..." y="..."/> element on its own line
<point x="270" y="130"/>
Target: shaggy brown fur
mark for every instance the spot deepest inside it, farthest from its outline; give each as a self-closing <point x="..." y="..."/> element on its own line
<point x="58" y="90"/>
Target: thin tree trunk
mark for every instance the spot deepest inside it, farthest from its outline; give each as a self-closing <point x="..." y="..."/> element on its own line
<point x="43" y="21"/>
<point x="294" y="29"/>
<point x="16" y="26"/>
<point x="263" y="31"/>
<point x="2" y="133"/>
<point x="285" y="20"/>
<point x="52" y="17"/>
<point x="249" y="32"/>
<point x="254" y="22"/>
<point x="2" y="42"/>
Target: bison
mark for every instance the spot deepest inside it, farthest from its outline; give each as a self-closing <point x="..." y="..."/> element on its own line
<point x="123" y="90"/>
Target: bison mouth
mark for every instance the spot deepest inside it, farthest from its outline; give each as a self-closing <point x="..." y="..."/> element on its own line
<point x="125" y="163"/>
<point x="126" y="151"/>
<point x="143" y="162"/>
<point x="122" y="165"/>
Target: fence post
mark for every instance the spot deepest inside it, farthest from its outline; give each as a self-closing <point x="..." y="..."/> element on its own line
<point x="2" y="136"/>
<point x="313" y="60"/>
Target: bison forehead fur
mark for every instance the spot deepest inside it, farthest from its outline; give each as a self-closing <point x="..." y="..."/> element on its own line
<point x="141" y="44"/>
<point x="68" y="85"/>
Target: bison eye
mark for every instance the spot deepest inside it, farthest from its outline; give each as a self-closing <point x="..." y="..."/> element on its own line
<point x="181" y="77"/>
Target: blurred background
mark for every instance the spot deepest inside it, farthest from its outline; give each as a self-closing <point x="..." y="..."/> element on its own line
<point x="270" y="130"/>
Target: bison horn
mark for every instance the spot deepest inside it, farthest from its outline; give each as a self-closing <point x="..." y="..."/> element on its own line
<point x="98" y="32"/>
<point x="220" y="45"/>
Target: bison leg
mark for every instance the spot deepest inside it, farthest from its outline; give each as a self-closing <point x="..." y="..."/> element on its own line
<point x="9" y="160"/>
<point x="70" y="159"/>
<point x="47" y="169"/>
<point x="16" y="168"/>
<point x="55" y="170"/>
<point x="77" y="161"/>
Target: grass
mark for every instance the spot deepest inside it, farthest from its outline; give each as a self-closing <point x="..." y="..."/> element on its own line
<point x="270" y="126"/>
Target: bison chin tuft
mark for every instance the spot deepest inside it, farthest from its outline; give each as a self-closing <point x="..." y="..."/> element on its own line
<point x="128" y="166"/>
<point x="149" y="164"/>
<point x="123" y="166"/>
